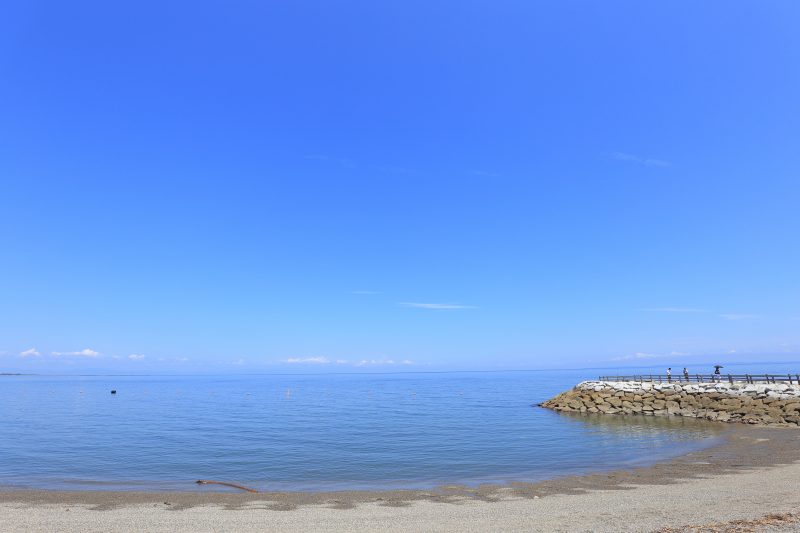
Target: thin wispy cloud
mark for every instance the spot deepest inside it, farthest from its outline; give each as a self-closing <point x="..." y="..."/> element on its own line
<point x="738" y="316"/>
<point x="86" y="352"/>
<point x="365" y="362"/>
<point x="308" y="360"/>
<point x="348" y="362"/>
<point x="378" y="362"/>
<point x="636" y="356"/>
<point x="341" y="161"/>
<point x="648" y="162"/>
<point x="436" y="306"/>
<point x="366" y="293"/>
<point x="33" y="352"/>
<point x="639" y="356"/>
<point x="726" y="316"/>
<point x="136" y="357"/>
<point x="676" y="310"/>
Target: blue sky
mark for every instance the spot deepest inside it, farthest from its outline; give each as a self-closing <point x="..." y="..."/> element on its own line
<point x="291" y="185"/>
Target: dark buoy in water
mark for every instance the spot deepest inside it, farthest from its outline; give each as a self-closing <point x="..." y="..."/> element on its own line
<point x="114" y="391"/>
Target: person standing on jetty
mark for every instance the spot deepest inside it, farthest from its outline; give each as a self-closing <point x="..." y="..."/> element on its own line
<point x="669" y="375"/>
<point x="717" y="373"/>
<point x="686" y="374"/>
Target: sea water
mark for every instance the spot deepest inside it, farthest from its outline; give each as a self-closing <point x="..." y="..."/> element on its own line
<point x="315" y="432"/>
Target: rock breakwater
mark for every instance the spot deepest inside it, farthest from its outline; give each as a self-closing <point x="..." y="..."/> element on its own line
<point x="765" y="404"/>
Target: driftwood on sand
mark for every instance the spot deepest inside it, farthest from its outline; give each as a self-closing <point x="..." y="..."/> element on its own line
<point x="234" y="485"/>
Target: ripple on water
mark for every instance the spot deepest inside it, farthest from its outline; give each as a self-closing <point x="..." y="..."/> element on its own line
<point x="321" y="432"/>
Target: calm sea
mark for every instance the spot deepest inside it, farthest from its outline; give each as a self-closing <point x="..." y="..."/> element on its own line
<point x="314" y="432"/>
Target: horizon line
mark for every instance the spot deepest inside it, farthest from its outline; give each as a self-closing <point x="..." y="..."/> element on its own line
<point x="9" y="374"/>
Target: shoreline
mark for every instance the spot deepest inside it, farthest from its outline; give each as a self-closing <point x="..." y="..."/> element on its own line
<point x="558" y="484"/>
<point x="749" y="456"/>
<point x="742" y="448"/>
<point x="707" y="435"/>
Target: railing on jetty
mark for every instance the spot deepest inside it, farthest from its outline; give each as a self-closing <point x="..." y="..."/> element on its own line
<point x="708" y="378"/>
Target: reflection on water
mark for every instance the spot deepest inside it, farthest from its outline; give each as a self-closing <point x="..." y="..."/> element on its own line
<point x="681" y="428"/>
<point x="315" y="432"/>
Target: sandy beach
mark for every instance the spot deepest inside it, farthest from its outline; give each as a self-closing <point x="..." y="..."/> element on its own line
<point x="748" y="483"/>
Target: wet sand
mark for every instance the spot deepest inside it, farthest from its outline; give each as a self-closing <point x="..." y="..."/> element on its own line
<point x="754" y="472"/>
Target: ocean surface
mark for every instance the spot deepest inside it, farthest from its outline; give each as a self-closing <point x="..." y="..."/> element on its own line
<point x="315" y="432"/>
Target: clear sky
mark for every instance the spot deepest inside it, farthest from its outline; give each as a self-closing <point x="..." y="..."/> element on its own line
<point x="401" y="185"/>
